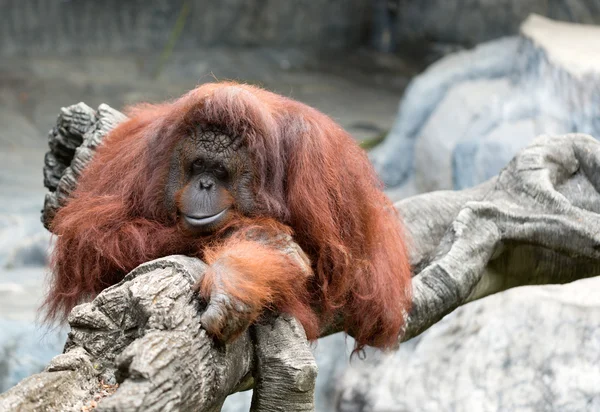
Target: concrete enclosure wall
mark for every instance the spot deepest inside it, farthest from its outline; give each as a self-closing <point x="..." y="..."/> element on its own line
<point x="469" y="22"/>
<point x="51" y="27"/>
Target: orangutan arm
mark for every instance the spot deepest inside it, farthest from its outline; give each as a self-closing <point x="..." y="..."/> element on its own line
<point x="249" y="272"/>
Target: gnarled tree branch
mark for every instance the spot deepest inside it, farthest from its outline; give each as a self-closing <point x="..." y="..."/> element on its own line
<point x="537" y="222"/>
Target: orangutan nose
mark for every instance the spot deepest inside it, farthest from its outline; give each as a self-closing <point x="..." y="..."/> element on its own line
<point x="206" y="184"/>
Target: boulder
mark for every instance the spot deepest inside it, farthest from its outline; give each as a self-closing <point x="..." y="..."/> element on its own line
<point x="466" y="116"/>
<point x="528" y="349"/>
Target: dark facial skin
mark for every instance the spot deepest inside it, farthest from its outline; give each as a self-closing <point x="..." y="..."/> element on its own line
<point x="210" y="178"/>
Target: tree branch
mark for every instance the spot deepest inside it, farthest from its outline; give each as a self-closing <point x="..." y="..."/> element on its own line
<point x="536" y="223"/>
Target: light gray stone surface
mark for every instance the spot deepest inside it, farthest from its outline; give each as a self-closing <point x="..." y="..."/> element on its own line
<point x="394" y="158"/>
<point x="452" y="119"/>
<point x="467" y="115"/>
<point x="529" y="349"/>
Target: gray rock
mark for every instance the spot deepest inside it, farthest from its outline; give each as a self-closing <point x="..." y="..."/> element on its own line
<point x="464" y="118"/>
<point x="528" y="349"/>
<point x="394" y="157"/>
<point x="479" y="159"/>
<point x="446" y="126"/>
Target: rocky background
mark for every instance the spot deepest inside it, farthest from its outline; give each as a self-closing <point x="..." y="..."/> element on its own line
<point x="494" y="85"/>
<point x="471" y="111"/>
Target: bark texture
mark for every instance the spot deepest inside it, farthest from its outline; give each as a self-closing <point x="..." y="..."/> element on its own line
<point x="535" y="223"/>
<point x="538" y="222"/>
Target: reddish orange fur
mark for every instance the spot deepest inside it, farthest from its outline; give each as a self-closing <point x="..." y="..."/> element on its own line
<point x="260" y="275"/>
<point x="311" y="176"/>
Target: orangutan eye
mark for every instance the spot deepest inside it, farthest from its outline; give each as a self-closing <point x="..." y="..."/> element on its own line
<point x="220" y="171"/>
<point x="198" y="165"/>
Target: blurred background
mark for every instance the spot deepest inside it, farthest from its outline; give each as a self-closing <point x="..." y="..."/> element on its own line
<point x="441" y="92"/>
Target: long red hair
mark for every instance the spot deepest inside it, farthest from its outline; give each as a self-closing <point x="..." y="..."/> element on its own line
<point x="310" y="176"/>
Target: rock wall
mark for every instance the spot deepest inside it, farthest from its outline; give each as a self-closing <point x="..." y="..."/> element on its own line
<point x="470" y="22"/>
<point x="46" y="27"/>
<point x="37" y="27"/>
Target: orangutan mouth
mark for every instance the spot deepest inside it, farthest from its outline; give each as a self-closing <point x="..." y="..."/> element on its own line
<point x="195" y="221"/>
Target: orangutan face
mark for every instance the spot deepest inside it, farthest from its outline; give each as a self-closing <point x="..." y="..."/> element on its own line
<point x="210" y="178"/>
